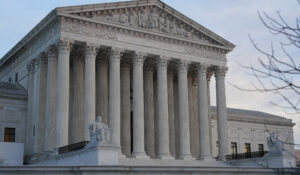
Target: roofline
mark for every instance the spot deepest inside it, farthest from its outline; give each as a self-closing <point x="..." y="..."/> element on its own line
<point x="33" y="32"/>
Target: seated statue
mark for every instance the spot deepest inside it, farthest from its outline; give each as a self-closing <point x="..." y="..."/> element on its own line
<point x="99" y="131"/>
<point x="274" y="144"/>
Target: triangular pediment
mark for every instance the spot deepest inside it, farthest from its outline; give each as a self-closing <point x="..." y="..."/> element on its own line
<point x="149" y="15"/>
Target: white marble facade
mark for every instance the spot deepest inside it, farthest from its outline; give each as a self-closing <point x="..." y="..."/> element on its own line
<point x="134" y="63"/>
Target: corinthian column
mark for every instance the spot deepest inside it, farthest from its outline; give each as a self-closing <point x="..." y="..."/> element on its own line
<point x="183" y="112"/>
<point x="51" y="99"/>
<point x="114" y="95"/>
<point x="62" y="100"/>
<point x="89" y="106"/>
<point x="203" y="113"/>
<point x="221" y="113"/>
<point x="138" y="107"/>
<point x="162" y="109"/>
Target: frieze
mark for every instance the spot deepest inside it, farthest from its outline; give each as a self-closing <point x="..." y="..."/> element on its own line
<point x="150" y="18"/>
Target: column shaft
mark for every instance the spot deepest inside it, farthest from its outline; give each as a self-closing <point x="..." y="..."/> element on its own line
<point x="125" y="109"/>
<point x="114" y="95"/>
<point x="62" y="100"/>
<point x="76" y="99"/>
<point x="51" y="99"/>
<point x="162" y="109"/>
<point x="30" y="86"/>
<point x="203" y="114"/>
<point x="89" y="106"/>
<point x="183" y="112"/>
<point x="138" y="107"/>
<point x="149" y="111"/>
<point x="40" y="77"/>
<point x="171" y="113"/>
<point x="102" y="89"/>
<point x="221" y="113"/>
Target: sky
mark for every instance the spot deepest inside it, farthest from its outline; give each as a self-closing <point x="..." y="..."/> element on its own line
<point x="234" y="20"/>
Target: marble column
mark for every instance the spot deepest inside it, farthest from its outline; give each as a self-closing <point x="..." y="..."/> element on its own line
<point x="203" y="114"/>
<point x="209" y="75"/>
<point x="40" y="77"/>
<point x="102" y="89"/>
<point x="62" y="100"/>
<point x="171" y="112"/>
<point x="125" y="109"/>
<point x="30" y="85"/>
<point x="183" y="112"/>
<point x="51" y="99"/>
<point x="138" y="107"/>
<point x="162" y="109"/>
<point x="114" y="95"/>
<point x="76" y="99"/>
<point x="149" y="111"/>
<point x="222" y="113"/>
<point x="89" y="106"/>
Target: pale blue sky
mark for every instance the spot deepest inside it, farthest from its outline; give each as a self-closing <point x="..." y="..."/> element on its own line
<point x="231" y="19"/>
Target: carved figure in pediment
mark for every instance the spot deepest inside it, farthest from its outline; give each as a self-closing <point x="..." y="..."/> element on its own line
<point x="172" y="27"/>
<point x="123" y="18"/>
<point x="180" y="30"/>
<point x="163" y="23"/>
<point x="143" y="19"/>
<point x="133" y="19"/>
<point x="109" y="16"/>
<point x="153" y="20"/>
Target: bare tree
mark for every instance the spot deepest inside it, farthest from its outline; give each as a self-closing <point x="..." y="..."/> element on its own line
<point x="279" y="73"/>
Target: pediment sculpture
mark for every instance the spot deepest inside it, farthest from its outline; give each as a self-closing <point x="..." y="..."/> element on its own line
<point x="151" y="18"/>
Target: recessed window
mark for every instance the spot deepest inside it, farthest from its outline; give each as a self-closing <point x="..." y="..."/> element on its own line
<point x="9" y="135"/>
<point x="233" y="148"/>
<point x="261" y="148"/>
<point x="9" y="80"/>
<point x="16" y="77"/>
<point x="217" y="147"/>
<point x="247" y="150"/>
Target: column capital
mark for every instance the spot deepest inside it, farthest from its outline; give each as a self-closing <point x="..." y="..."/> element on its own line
<point x="30" y="66"/>
<point x="90" y="50"/>
<point x="202" y="68"/>
<point x="221" y="71"/>
<point x="64" y="44"/>
<point x="52" y="52"/>
<point x="183" y="65"/>
<point x="139" y="58"/>
<point x="162" y="61"/>
<point x="116" y="54"/>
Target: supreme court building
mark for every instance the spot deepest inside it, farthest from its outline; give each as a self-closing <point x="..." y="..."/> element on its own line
<point x="141" y="65"/>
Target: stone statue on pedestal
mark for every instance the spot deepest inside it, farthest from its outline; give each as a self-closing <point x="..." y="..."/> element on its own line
<point x="99" y="131"/>
<point x="273" y="143"/>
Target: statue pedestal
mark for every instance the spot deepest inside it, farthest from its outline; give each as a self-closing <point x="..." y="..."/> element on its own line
<point x="93" y="154"/>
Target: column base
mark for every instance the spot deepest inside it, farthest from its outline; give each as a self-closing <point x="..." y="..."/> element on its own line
<point x="205" y="158"/>
<point x="165" y="157"/>
<point x="139" y="156"/>
<point x="221" y="158"/>
<point x="185" y="157"/>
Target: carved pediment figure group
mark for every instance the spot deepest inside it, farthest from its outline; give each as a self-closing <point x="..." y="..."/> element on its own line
<point x="150" y="18"/>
